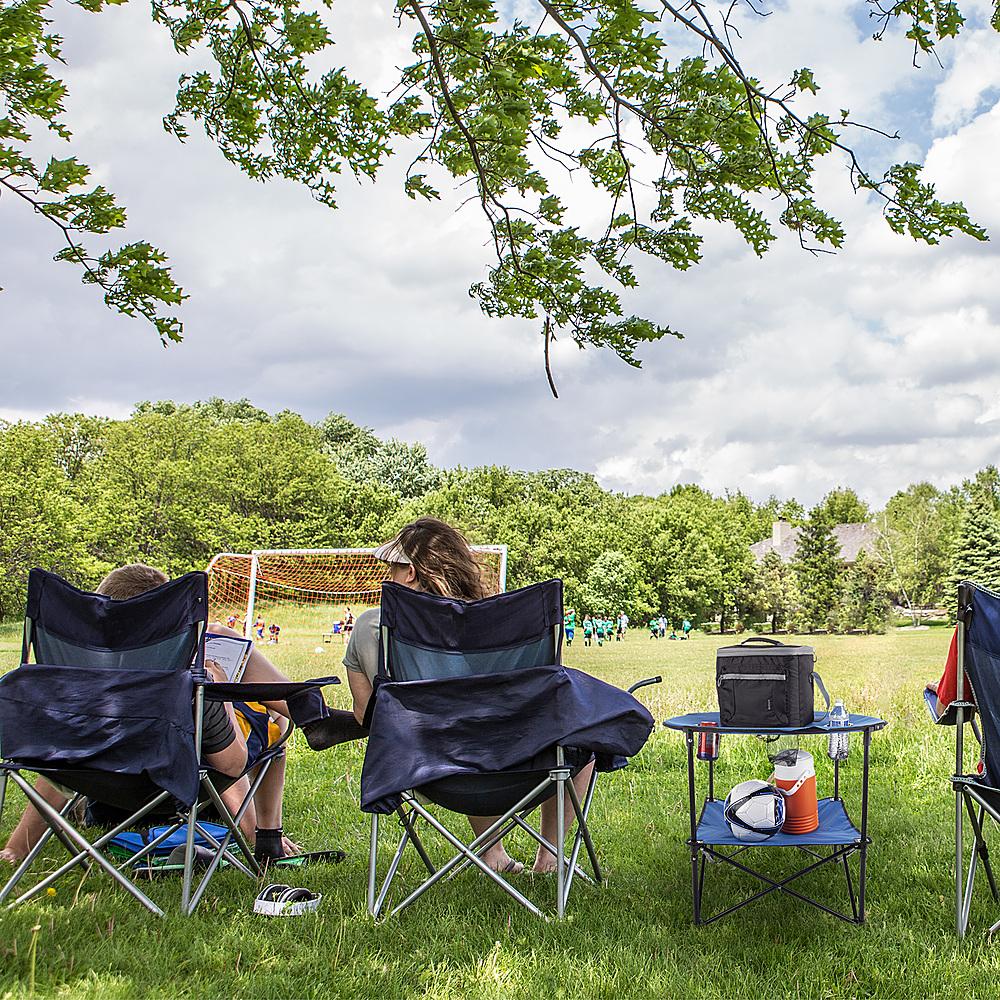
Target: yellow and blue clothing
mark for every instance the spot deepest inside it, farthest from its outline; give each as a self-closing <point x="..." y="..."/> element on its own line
<point x="258" y="728"/>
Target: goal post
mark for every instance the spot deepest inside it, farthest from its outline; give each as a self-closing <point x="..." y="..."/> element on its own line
<point x="243" y="586"/>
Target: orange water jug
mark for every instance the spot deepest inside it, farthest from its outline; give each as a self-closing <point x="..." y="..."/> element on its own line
<point x="795" y="777"/>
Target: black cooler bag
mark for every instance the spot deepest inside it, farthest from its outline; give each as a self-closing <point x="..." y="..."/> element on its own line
<point x="764" y="683"/>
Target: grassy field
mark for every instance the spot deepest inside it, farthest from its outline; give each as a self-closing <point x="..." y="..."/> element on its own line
<point x="631" y="938"/>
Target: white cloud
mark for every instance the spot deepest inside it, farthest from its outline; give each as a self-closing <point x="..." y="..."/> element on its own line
<point x="974" y="72"/>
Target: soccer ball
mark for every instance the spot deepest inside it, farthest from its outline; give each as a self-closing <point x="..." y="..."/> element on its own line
<point x="319" y="649"/>
<point x="754" y="811"/>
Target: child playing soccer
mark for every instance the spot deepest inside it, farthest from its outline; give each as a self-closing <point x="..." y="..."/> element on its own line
<point x="569" y="626"/>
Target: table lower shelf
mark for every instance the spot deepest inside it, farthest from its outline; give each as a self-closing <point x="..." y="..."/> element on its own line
<point x="835" y="829"/>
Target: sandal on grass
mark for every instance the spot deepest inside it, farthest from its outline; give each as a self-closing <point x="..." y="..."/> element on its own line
<point x="280" y="900"/>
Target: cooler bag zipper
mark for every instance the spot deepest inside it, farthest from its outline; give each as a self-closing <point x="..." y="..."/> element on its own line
<point x="751" y="677"/>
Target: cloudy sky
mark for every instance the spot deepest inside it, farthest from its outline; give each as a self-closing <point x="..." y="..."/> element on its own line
<point x="874" y="368"/>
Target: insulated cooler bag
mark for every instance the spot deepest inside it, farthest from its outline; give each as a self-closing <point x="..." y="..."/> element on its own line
<point x="764" y="683"/>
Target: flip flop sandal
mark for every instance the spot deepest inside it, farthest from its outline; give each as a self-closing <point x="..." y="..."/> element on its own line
<point x="280" y="900"/>
<point x="310" y="858"/>
<point x="173" y="863"/>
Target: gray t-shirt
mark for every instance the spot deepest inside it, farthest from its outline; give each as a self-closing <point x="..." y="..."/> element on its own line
<point x="361" y="654"/>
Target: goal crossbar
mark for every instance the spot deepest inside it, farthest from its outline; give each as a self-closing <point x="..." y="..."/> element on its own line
<point x="237" y="579"/>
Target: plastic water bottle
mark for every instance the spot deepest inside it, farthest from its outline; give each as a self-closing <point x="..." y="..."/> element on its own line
<point x="838" y="743"/>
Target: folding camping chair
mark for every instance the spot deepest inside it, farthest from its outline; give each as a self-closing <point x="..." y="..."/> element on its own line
<point x="977" y="793"/>
<point x="459" y="669"/>
<point x="112" y="709"/>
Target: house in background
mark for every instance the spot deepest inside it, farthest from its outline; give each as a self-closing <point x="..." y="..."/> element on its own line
<point x="852" y="538"/>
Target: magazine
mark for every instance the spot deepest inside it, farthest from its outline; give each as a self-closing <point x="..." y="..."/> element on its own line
<point x="229" y="652"/>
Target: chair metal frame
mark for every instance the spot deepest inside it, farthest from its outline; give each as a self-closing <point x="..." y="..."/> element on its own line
<point x="89" y="853"/>
<point x="469" y="853"/>
<point x="973" y="801"/>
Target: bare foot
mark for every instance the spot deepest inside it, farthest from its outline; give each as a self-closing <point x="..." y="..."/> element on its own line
<point x="290" y="847"/>
<point x="502" y="862"/>
<point x="512" y="867"/>
<point x="545" y="862"/>
<point x="10" y="856"/>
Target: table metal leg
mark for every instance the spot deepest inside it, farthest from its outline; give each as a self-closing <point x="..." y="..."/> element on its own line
<point x="863" y="863"/>
<point x="695" y="881"/>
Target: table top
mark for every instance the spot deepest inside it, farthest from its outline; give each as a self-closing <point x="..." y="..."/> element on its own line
<point x="709" y="722"/>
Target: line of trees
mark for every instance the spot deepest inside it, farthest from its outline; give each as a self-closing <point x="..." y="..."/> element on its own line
<point x="175" y="483"/>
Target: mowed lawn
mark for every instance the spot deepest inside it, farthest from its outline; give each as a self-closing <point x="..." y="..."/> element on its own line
<point x="632" y="937"/>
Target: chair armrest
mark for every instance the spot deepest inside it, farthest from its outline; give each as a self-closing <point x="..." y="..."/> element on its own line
<point x="644" y="683"/>
<point x="949" y="717"/>
<point x="264" y="691"/>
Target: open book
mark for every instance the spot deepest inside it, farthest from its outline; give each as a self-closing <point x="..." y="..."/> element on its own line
<point x="229" y="652"/>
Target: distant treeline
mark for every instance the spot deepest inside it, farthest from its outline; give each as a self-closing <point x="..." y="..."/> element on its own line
<point x="174" y="484"/>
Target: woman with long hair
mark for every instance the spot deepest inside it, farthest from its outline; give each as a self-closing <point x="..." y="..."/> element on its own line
<point x="433" y="557"/>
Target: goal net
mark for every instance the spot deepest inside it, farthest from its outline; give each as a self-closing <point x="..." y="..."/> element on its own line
<point x="306" y="589"/>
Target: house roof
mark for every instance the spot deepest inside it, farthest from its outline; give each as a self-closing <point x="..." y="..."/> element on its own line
<point x="852" y="538"/>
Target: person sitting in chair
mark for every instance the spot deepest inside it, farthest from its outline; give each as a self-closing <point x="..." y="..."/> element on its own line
<point x="947" y="687"/>
<point x="432" y="556"/>
<point x="232" y="734"/>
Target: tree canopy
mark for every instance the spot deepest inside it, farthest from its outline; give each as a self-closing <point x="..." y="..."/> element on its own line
<point x="174" y="484"/>
<point x="647" y="101"/>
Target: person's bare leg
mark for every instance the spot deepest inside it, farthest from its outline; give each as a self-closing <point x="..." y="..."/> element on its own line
<point x="233" y="798"/>
<point x="269" y="799"/>
<point x="496" y="857"/>
<point x="309" y="710"/>
<point x="31" y="825"/>
<point x="545" y="861"/>
<point x="259" y="670"/>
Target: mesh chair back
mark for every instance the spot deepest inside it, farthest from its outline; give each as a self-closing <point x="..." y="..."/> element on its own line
<point x="982" y="665"/>
<point x="426" y="637"/>
<point x="158" y="630"/>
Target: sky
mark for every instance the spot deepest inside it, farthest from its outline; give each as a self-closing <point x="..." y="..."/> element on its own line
<point x="873" y="368"/>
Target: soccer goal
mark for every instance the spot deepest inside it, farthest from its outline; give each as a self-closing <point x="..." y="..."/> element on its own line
<point x="307" y="588"/>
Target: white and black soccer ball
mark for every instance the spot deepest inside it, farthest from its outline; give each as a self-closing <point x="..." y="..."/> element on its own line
<point x="754" y="811"/>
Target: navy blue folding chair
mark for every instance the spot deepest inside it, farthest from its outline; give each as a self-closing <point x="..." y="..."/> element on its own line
<point x="474" y="713"/>
<point x="977" y="791"/>
<point x="112" y="709"/>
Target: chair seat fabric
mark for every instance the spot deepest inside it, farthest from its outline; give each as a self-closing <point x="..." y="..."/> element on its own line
<point x="120" y="727"/>
<point x="423" y="731"/>
<point x="493" y="794"/>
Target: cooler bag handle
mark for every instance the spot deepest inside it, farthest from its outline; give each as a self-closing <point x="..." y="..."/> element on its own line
<point x="761" y="638"/>
<point x="818" y="681"/>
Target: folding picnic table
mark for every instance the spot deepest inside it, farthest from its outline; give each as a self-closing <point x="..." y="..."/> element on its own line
<point x="712" y="839"/>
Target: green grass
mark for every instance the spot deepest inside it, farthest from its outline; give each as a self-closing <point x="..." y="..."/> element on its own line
<point x="631" y="938"/>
